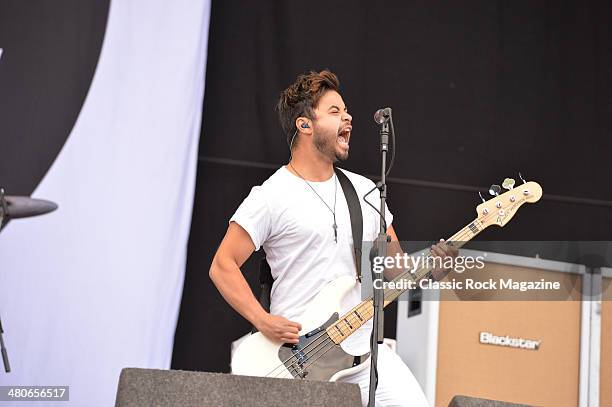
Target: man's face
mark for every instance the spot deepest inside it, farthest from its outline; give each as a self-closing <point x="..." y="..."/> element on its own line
<point x="332" y="127"/>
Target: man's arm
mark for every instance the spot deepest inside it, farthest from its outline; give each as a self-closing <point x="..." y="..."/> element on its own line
<point x="233" y="251"/>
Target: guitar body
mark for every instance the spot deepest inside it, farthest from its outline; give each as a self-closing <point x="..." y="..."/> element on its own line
<point x="259" y="356"/>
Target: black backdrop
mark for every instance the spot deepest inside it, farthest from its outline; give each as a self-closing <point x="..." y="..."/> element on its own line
<point x="479" y="89"/>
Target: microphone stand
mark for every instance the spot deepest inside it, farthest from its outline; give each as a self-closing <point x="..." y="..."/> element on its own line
<point x="3" y="216"/>
<point x="379" y="249"/>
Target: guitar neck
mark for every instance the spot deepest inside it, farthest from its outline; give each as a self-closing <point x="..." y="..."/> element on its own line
<point x="364" y="311"/>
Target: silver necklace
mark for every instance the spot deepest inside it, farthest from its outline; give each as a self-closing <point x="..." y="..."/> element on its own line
<point x="333" y="211"/>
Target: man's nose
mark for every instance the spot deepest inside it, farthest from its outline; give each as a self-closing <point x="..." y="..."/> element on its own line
<point x="347" y="117"/>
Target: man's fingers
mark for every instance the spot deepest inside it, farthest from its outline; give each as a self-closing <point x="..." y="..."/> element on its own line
<point x="436" y="250"/>
<point x="290" y="338"/>
<point x="443" y="250"/>
<point x="449" y="249"/>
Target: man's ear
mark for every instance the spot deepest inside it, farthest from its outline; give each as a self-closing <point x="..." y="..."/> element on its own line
<point x="303" y="125"/>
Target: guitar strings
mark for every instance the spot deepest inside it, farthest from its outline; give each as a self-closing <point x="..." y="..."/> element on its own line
<point x="323" y="336"/>
<point x="312" y="349"/>
<point x="326" y="340"/>
<point x="310" y="345"/>
<point x="312" y="352"/>
<point x="463" y="232"/>
<point x="308" y="348"/>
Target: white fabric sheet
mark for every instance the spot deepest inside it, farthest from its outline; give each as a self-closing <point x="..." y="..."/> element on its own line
<point x="96" y="285"/>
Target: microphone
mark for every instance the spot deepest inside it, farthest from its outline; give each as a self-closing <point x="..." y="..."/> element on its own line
<point x="382" y="115"/>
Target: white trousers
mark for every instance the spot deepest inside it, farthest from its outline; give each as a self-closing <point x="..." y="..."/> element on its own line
<point x="397" y="386"/>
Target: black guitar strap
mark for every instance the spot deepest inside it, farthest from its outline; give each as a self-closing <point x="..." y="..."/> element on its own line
<point x="356" y="217"/>
<point x="265" y="281"/>
<point x="265" y="274"/>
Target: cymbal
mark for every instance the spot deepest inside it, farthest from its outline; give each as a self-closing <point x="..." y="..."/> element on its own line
<point x="24" y="206"/>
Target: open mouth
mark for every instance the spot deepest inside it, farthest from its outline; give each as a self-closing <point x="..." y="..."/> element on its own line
<point x="344" y="136"/>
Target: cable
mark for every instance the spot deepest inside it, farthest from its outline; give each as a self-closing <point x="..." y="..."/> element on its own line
<point x="393" y="149"/>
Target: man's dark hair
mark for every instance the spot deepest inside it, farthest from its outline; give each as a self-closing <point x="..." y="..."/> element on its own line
<point x="302" y="97"/>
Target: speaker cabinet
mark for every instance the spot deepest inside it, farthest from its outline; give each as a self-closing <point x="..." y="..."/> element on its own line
<point x="150" y="387"/>
<point x="451" y="349"/>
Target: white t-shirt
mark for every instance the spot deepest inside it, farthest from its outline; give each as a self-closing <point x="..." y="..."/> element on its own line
<point x="295" y="228"/>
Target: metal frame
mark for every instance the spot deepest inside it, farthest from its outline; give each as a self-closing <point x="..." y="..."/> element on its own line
<point x="432" y="355"/>
<point x="585" y="335"/>
<point x="594" y="338"/>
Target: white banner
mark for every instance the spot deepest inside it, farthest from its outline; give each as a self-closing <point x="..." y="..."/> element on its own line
<point x="96" y="285"/>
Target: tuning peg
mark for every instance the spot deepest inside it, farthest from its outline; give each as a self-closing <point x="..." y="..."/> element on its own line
<point x="494" y="190"/>
<point x="480" y="194"/>
<point x="522" y="179"/>
<point x="508" y="183"/>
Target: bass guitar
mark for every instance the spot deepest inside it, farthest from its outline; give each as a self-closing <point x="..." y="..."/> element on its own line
<point x="318" y="355"/>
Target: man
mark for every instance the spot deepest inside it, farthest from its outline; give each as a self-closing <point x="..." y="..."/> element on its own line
<point x="301" y="218"/>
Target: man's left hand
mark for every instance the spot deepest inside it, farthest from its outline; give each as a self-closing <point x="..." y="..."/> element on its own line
<point x="443" y="250"/>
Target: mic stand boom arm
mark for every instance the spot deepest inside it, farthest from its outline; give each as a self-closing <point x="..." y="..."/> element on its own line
<point x="3" y="216"/>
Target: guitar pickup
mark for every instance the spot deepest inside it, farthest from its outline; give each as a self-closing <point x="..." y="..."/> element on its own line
<point x="314" y="332"/>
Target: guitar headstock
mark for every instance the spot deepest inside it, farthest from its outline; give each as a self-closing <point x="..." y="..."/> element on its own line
<point x="502" y="207"/>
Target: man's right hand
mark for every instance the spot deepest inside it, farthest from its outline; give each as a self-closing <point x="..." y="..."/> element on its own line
<point x="278" y="329"/>
<point x="225" y="272"/>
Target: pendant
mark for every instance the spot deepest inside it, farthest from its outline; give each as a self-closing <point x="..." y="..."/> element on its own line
<point x="335" y="232"/>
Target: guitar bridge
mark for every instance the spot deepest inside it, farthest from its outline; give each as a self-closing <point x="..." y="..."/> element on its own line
<point x="300" y="359"/>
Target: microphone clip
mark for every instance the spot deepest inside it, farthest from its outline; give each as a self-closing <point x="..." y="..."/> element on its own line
<point x="383" y="115"/>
